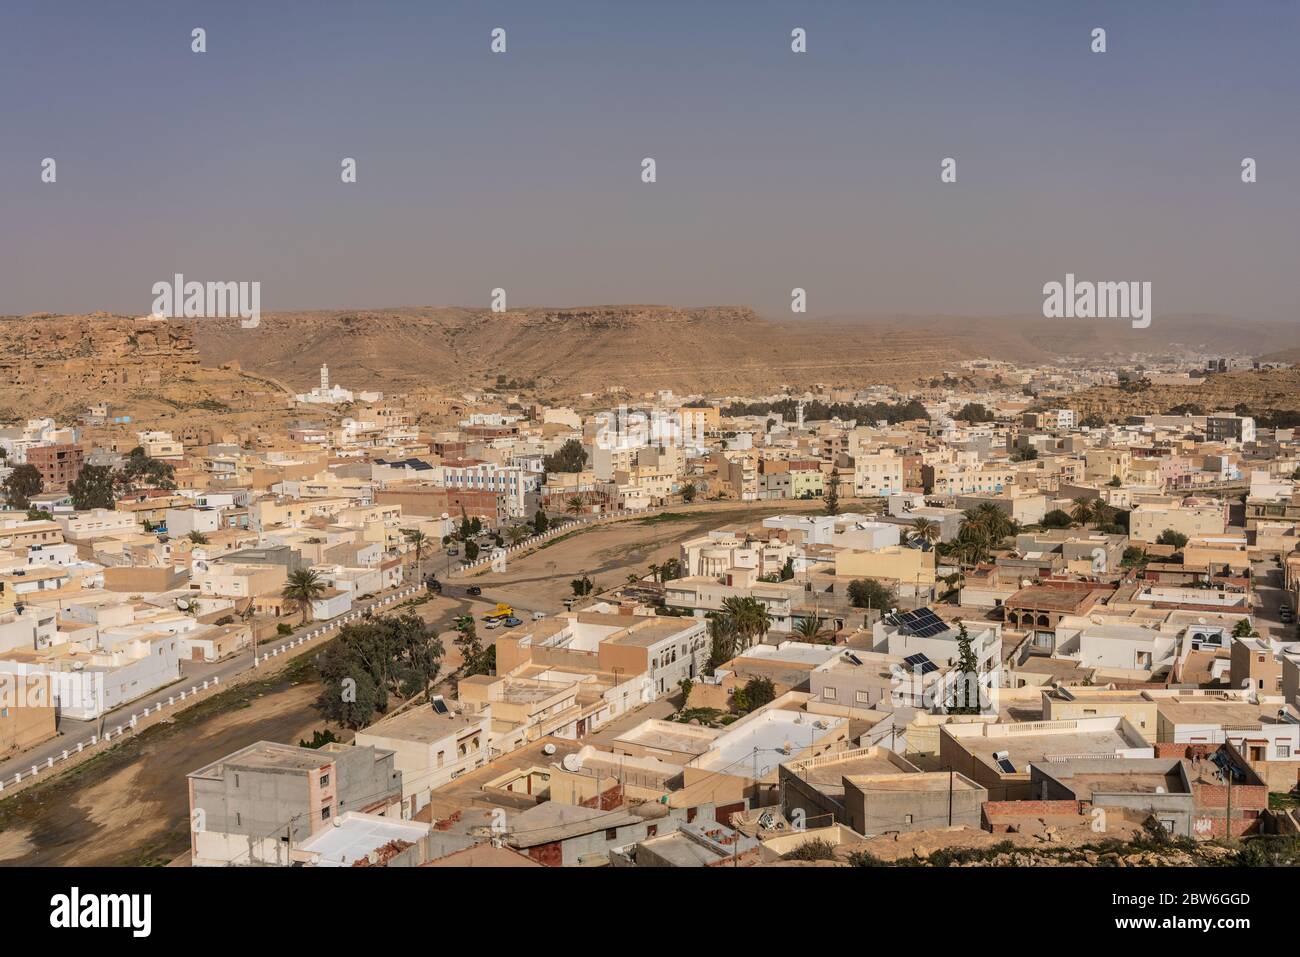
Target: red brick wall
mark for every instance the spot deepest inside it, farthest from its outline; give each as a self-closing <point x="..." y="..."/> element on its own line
<point x="549" y="855"/>
<point x="1244" y="796"/>
<point x="999" y="813"/>
<point x="607" y="800"/>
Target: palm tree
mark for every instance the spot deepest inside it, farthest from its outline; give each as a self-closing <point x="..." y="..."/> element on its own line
<point x="516" y="534"/>
<point x="303" y="586"/>
<point x="1086" y="510"/>
<point x="926" y="530"/>
<point x="723" y="639"/>
<point x="418" y="540"/>
<point x="574" y="505"/>
<point x="654" y="572"/>
<point x="811" y="630"/>
<point x="749" y="616"/>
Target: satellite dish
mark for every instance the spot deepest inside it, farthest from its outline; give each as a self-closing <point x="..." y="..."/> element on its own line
<point x="6" y="542"/>
<point x="548" y="749"/>
<point x="337" y="822"/>
<point x="572" y="763"/>
<point x="182" y="603"/>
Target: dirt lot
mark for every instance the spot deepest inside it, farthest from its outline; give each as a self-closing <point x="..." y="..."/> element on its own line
<point x="130" y="805"/>
<point x="539" y="581"/>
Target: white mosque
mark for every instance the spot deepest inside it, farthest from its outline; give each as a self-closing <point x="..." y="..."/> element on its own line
<point x="326" y="394"/>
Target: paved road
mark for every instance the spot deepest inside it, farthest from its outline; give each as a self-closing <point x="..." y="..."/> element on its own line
<point x="1269" y="598"/>
<point x="71" y="731"/>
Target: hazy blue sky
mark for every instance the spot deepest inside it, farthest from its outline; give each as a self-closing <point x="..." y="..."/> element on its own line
<point x="775" y="170"/>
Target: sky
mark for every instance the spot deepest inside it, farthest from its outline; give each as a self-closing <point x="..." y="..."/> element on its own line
<point x="775" y="170"/>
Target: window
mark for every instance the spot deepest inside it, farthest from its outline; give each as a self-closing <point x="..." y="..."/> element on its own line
<point x="325" y="813"/>
<point x="1284" y="750"/>
<point x="863" y="697"/>
<point x="828" y="693"/>
<point x="239" y="818"/>
<point x="611" y="833"/>
<point x="907" y="819"/>
<point x="324" y="780"/>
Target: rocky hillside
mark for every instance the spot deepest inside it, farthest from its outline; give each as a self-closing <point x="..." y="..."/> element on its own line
<point x="149" y="369"/>
<point x="1265" y="393"/>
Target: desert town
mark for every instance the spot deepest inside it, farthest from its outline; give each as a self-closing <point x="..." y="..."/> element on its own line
<point x="988" y="617"/>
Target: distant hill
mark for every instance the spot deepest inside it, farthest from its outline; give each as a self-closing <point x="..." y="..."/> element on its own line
<point x="566" y="351"/>
<point x="718" y="348"/>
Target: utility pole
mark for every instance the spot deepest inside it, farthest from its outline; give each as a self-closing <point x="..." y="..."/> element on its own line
<point x="950" y="783"/>
<point x="1227" y="824"/>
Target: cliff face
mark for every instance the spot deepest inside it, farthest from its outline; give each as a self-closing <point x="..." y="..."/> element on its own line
<point x="148" y="369"/>
<point x="91" y="351"/>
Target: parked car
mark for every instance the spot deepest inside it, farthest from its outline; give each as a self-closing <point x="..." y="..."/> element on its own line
<point x="474" y="590"/>
<point x="513" y="622"/>
<point x="453" y="550"/>
<point x="538" y="615"/>
<point x="494" y="623"/>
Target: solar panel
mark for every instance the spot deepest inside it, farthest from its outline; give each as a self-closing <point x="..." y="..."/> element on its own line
<point x="439" y="705"/>
<point x="1006" y="767"/>
<point x="923" y="623"/>
<point x="919" y="660"/>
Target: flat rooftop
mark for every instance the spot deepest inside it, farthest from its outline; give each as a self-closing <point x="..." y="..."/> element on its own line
<point x="355" y="836"/>
<point x="671" y="736"/>
<point x="422" y="725"/>
<point x="770" y="737"/>
<point x="270" y="756"/>
<point x="918" y="781"/>
<point x="1202" y="711"/>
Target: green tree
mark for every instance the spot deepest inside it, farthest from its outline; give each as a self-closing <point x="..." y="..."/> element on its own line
<point x="93" y="488"/>
<point x="966" y="690"/>
<point x="571" y="457"/>
<point x="374" y="659"/>
<point x="471" y="551"/>
<point x="812" y="630"/>
<point x="832" y="496"/>
<point x="470" y="647"/>
<point x="22" y="484"/>
<point x="302" y="587"/>
<point x="926" y="530"/>
<point x="574" y="505"/>
<point x="1057" y="518"/>
<point x="688" y="492"/>
<point x="1243" y="629"/>
<point x="869" y="593"/>
<point x="756" y="693"/>
<point x="685" y="686"/>
<point x="582" y="586"/>
<point x="198" y="538"/>
<point x="140" y="470"/>
<point x="1024" y="455"/>
<point x="723" y="640"/>
<point x="787" y="570"/>
<point x="417" y="540"/>
<point x="39" y="515"/>
<point x="1088" y="510"/>
<point x="974" y="412"/>
<point x="540" y="522"/>
<point x="1171" y="537"/>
